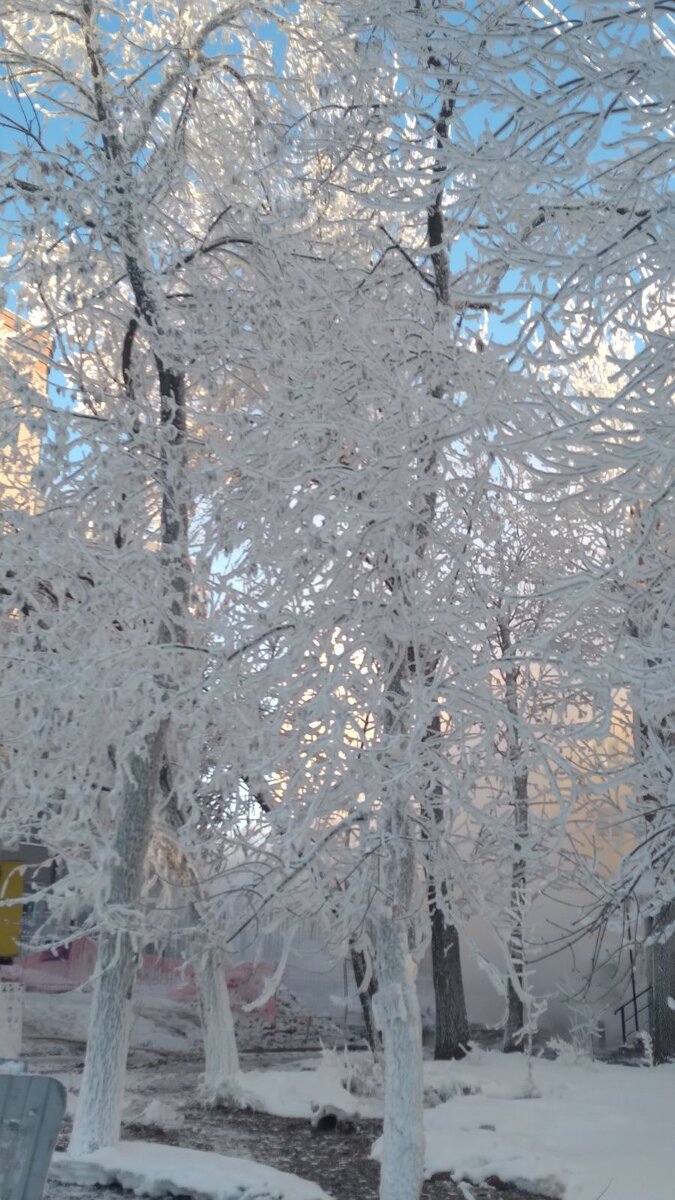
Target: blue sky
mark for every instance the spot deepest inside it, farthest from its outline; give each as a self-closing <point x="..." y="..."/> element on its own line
<point x="479" y="117"/>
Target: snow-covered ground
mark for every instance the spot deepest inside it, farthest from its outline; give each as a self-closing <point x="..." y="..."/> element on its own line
<point x="298" y="1092"/>
<point x="591" y="1131"/>
<point x="152" y="1170"/>
<point x="572" y="1130"/>
<point x="582" y="1131"/>
<point x="578" y="1130"/>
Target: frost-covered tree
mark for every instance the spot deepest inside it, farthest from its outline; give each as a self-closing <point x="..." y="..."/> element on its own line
<point x="143" y="228"/>
<point x="530" y="224"/>
<point x="538" y="636"/>
<point x="636" y="484"/>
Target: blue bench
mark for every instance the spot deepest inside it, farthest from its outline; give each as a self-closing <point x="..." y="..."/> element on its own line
<point x="31" y="1112"/>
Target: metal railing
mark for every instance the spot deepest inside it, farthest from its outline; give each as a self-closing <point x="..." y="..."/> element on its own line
<point x="632" y="1009"/>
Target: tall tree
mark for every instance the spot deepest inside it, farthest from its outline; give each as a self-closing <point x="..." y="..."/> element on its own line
<point x="140" y="170"/>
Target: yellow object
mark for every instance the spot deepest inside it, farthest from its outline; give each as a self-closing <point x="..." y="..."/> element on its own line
<point x="11" y="888"/>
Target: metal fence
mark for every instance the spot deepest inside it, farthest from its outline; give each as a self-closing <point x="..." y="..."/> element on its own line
<point x="11" y="1018"/>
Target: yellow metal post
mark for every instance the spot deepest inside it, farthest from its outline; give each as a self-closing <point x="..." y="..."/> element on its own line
<point x="11" y="888"/>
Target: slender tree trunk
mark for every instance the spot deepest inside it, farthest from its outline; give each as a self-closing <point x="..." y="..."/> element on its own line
<point x="396" y="1006"/>
<point x="515" y="1014"/>
<point x="661" y="953"/>
<point x="515" y="1017"/>
<point x="452" y="1026"/>
<point x="653" y="741"/>
<point x="97" y="1121"/>
<point x="399" y="1021"/>
<point x="451" y="1023"/>
<point x="221" y="1057"/>
<point x="662" y="963"/>
<point x="367" y="992"/>
<point x="220" y="1045"/>
<point x="99" y="1108"/>
<point x="451" y="1035"/>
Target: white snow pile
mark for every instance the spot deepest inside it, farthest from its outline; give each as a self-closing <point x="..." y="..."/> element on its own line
<point x="152" y="1169"/>
<point x="300" y="1092"/>
<point x="593" y="1131"/>
<point x="158" y="1115"/>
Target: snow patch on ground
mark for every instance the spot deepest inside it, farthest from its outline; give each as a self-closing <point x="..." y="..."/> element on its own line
<point x="594" y="1131"/>
<point x="158" y="1115"/>
<point x="151" y="1169"/>
<point x="298" y="1093"/>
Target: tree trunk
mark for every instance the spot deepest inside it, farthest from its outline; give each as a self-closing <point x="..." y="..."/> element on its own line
<point x="367" y="995"/>
<point x="398" y="1018"/>
<point x="451" y="1035"/>
<point x="653" y="740"/>
<point x="451" y="1029"/>
<point x="515" y="1018"/>
<point x="515" y="1014"/>
<point x="220" y="1047"/>
<point x="221" y="1057"/>
<point x="452" y="1025"/>
<point x="98" y="1117"/>
<point x="662" y="956"/>
<point x="99" y="1108"/>
<point x="396" y="1005"/>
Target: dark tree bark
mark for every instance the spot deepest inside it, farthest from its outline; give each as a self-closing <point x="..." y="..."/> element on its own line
<point x="451" y="1036"/>
<point x="452" y="1026"/>
<point x="366" y="993"/>
<point x="451" y="1030"/>
<point x="515" y="1016"/>
<point x="662" y="964"/>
